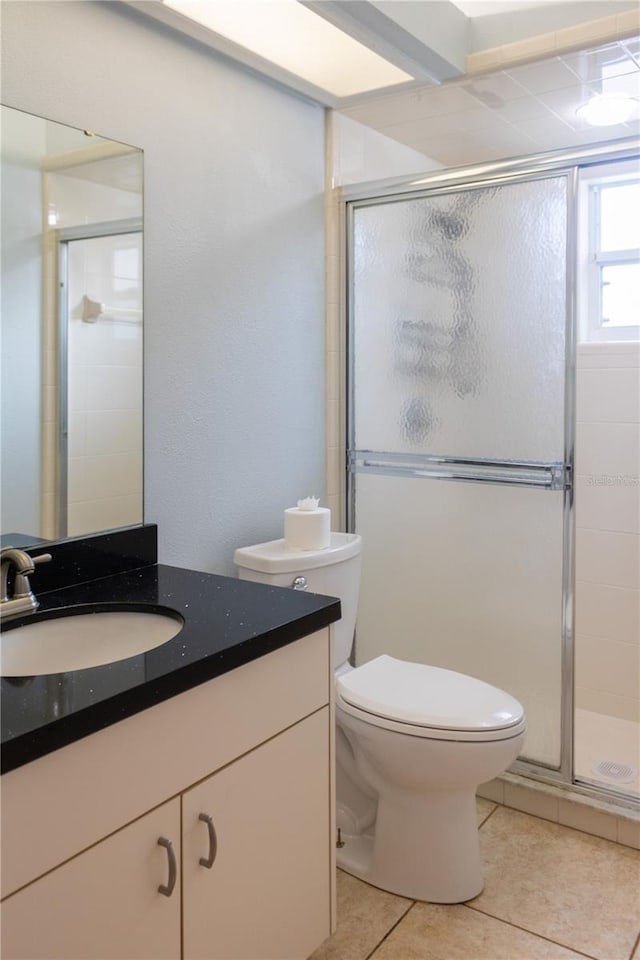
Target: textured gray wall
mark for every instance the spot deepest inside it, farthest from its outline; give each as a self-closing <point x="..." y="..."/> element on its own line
<point x="234" y="262"/>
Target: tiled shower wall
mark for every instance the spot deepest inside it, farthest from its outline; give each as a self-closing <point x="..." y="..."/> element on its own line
<point x="68" y="201"/>
<point x="105" y="385"/>
<point x="607" y="628"/>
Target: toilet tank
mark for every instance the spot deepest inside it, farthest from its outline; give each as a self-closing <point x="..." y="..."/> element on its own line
<point x="334" y="572"/>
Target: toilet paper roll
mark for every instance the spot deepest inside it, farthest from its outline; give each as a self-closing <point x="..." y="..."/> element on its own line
<point x="307" y="529"/>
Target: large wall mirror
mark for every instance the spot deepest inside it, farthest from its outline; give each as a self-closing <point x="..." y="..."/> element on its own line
<point x="71" y="331"/>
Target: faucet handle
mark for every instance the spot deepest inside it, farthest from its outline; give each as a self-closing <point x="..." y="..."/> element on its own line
<point x="41" y="558"/>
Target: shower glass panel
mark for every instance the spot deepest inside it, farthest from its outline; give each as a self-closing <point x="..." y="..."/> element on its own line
<point x="458" y="319"/>
<point x="459" y="323"/>
<point x="467" y="577"/>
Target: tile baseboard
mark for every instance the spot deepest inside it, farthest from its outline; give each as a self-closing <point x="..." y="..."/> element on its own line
<point x="565" y="806"/>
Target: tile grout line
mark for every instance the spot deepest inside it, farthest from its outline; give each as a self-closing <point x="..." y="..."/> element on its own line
<point x="635" y="945"/>
<point x="531" y="933"/>
<point x="490" y="814"/>
<point x="390" y="930"/>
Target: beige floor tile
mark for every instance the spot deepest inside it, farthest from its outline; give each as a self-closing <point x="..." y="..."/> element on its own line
<point x="636" y="954"/>
<point x="483" y="809"/>
<point x="365" y="915"/>
<point x="434" y="932"/>
<point x="575" y="889"/>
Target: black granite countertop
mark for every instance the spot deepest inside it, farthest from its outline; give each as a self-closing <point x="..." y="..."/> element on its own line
<point x="227" y="622"/>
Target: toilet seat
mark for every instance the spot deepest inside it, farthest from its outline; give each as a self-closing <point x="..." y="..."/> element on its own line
<point x="430" y="702"/>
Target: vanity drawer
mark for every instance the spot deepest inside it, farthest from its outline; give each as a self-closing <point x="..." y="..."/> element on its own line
<point x="70" y="799"/>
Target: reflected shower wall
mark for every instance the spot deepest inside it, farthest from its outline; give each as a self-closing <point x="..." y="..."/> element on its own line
<point x="104" y="383"/>
<point x="92" y="371"/>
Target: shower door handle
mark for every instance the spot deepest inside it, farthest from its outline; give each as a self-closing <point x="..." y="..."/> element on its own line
<point x="549" y="475"/>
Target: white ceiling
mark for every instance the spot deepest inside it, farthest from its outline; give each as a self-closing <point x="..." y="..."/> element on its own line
<point x="485" y="8"/>
<point x="514" y="112"/>
<point x="445" y="115"/>
<point x="426" y="41"/>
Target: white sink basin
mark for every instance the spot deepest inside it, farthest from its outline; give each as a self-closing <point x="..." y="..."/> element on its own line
<point x="82" y="640"/>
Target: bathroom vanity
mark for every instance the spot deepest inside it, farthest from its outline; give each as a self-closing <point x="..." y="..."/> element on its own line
<point x="177" y="804"/>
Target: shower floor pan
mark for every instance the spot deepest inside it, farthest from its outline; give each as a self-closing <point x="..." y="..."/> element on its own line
<point x="607" y="750"/>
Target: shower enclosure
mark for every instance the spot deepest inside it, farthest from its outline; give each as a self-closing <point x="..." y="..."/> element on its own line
<point x="461" y="382"/>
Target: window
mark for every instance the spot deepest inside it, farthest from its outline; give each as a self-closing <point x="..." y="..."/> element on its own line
<point x="612" y="264"/>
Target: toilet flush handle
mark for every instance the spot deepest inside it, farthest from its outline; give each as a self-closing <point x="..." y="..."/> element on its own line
<point x="300" y="583"/>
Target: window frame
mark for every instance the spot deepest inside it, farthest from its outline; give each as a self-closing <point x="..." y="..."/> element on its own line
<point x="593" y="327"/>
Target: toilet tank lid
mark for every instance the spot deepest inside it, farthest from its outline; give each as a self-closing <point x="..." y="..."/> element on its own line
<point x="275" y="557"/>
<point x="428" y="696"/>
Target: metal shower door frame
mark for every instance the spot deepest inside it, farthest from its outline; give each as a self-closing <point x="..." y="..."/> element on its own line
<point x="539" y="166"/>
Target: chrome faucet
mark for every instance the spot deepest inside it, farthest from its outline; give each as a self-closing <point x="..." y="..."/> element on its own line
<point x="23" y="599"/>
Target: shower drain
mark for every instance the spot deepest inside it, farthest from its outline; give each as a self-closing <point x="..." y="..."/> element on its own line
<point x="621" y="772"/>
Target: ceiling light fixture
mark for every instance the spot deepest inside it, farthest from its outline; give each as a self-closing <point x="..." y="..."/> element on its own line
<point x="290" y="35"/>
<point x="607" y="109"/>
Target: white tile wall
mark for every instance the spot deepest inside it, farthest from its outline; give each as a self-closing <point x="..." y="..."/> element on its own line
<point x="112" y="431"/>
<point x="607" y="627"/>
<point x="608" y="395"/>
<point x="78" y="200"/>
<point x="603" y="556"/>
<point x="105" y="387"/>
<point x="361" y="153"/>
<point x="621" y="440"/>
<point x="112" y="387"/>
<point x="609" y="666"/>
<point x="606" y="611"/>
<point x="105" y="415"/>
<point x="112" y="512"/>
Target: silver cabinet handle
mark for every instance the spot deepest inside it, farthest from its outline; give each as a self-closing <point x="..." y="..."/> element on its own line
<point x="173" y="871"/>
<point x="213" y="842"/>
<point x="300" y="583"/>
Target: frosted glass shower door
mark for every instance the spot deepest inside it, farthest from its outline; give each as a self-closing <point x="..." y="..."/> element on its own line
<point x="458" y="307"/>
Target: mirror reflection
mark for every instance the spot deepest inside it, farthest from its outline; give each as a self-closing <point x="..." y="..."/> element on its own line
<point x="71" y="331"/>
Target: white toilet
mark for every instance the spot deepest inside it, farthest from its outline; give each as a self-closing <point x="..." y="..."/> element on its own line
<point x="413" y="742"/>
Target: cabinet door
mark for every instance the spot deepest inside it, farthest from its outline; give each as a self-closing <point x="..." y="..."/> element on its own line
<point x="267" y="894"/>
<point x="103" y="904"/>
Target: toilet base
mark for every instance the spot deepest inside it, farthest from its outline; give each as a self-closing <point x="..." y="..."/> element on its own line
<point x="428" y="849"/>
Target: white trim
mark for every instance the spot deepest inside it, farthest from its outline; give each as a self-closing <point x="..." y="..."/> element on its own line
<point x="591" y="260"/>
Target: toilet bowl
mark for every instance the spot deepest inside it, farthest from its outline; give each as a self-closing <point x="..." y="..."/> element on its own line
<point x="421" y="739"/>
<point x="413" y="742"/>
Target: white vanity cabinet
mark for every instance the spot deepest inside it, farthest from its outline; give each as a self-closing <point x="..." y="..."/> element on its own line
<point x="103" y="903"/>
<point x="266" y="893"/>
<point x="236" y="773"/>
